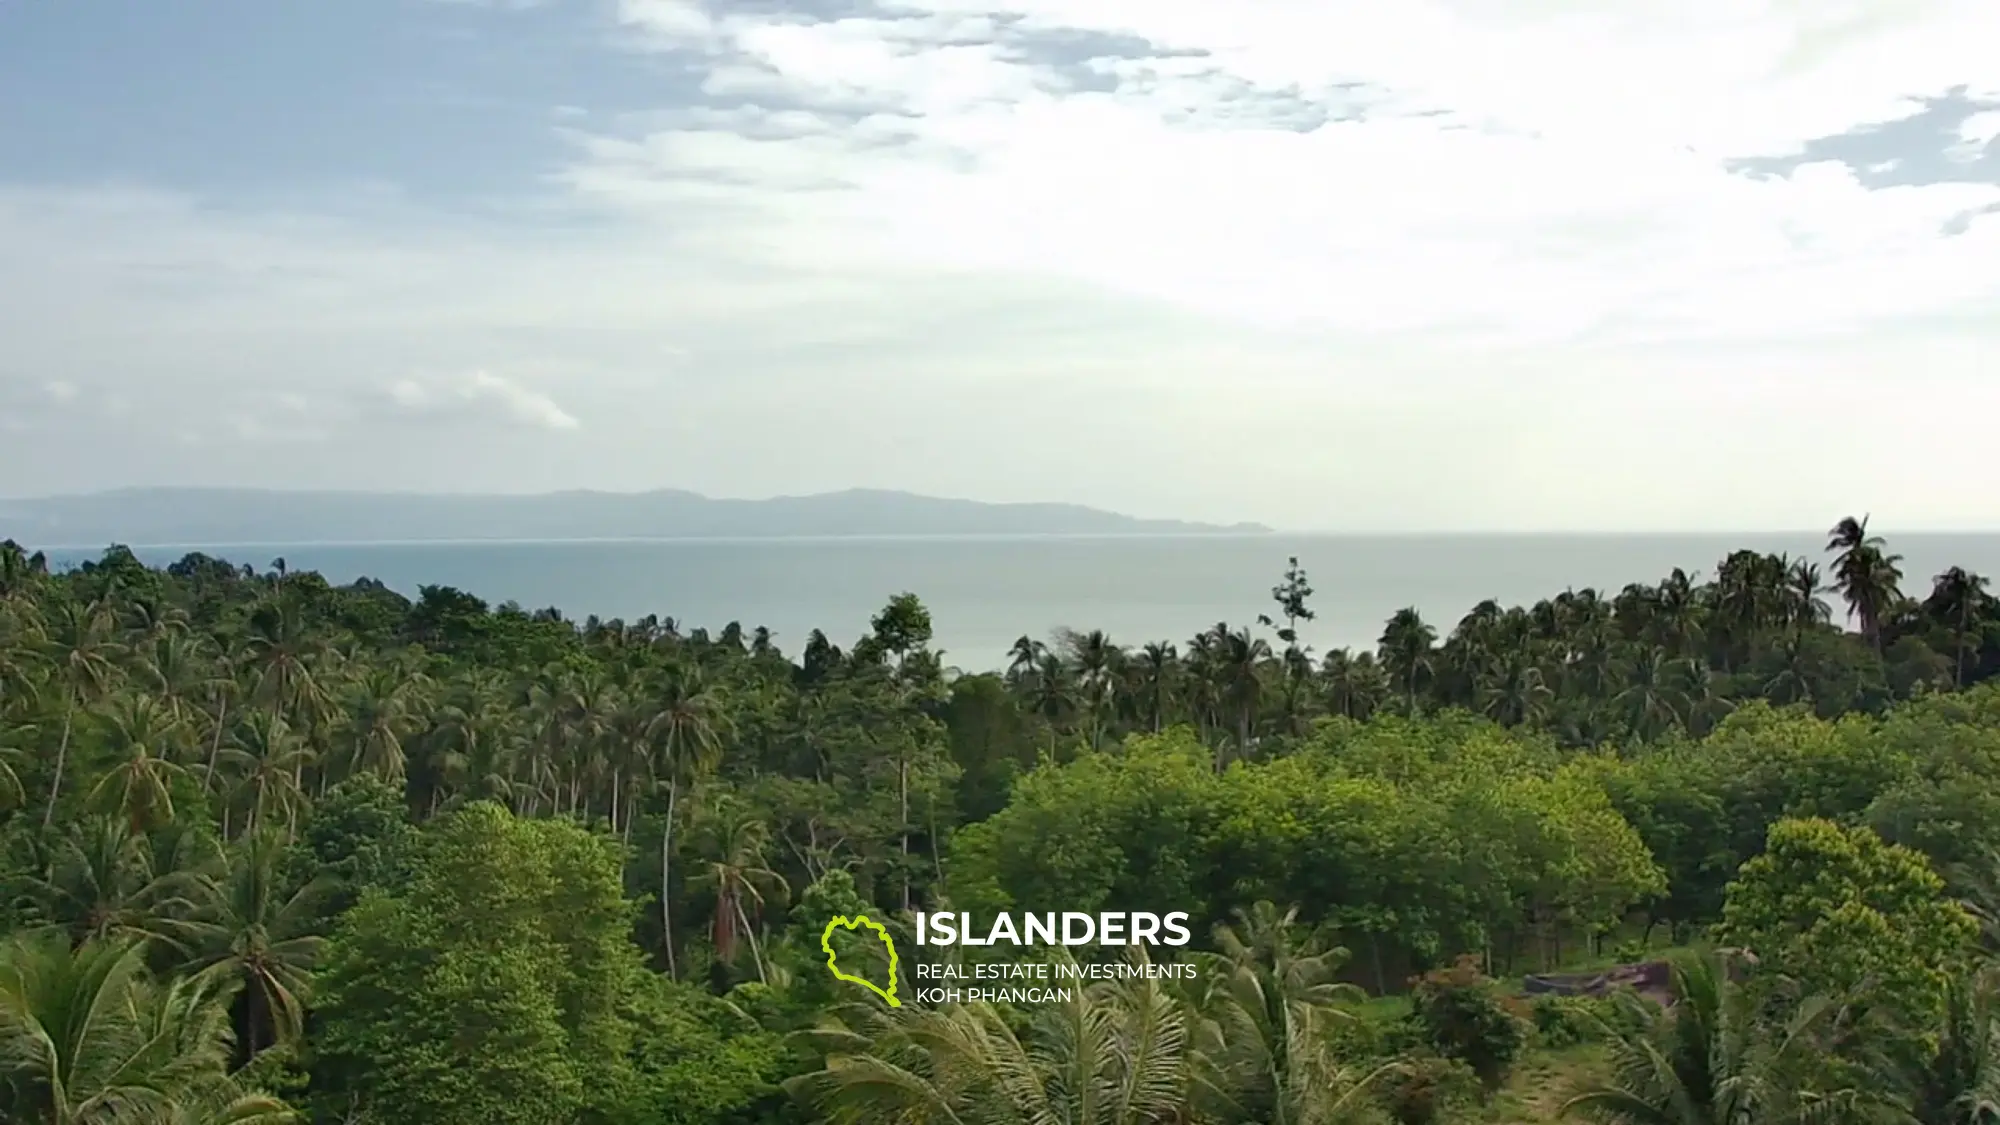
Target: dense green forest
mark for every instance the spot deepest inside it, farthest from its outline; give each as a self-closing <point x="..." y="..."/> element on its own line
<point x="277" y="851"/>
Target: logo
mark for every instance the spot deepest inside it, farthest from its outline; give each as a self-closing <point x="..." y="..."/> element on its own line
<point x="826" y="944"/>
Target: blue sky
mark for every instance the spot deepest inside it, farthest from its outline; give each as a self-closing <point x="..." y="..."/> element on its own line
<point x="1449" y="264"/>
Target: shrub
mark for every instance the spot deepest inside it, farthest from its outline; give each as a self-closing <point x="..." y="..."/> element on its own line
<point x="1564" y="1021"/>
<point x="1427" y="1088"/>
<point x="1460" y="1014"/>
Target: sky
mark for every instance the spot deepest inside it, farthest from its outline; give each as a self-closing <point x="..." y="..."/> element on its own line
<point x="1320" y="264"/>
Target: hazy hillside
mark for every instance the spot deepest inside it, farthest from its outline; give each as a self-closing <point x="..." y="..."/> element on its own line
<point x="204" y="516"/>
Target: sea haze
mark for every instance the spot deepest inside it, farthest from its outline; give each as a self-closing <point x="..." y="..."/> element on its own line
<point x="984" y="592"/>
<point x="201" y="515"/>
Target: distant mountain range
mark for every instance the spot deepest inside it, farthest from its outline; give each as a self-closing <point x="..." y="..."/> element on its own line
<point x="204" y="516"/>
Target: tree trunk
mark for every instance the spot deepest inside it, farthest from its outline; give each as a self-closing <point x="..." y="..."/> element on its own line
<point x="666" y="898"/>
<point x="756" y="952"/>
<point x="903" y="806"/>
<point x="62" y="757"/>
<point x="215" y="745"/>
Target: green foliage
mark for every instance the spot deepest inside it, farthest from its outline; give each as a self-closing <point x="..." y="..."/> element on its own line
<point x="220" y="764"/>
<point x="1460" y="1014"/>
<point x="1565" y="1021"/>
<point x="1426" y="1089"/>
<point x="1835" y="908"/>
<point x="499" y="986"/>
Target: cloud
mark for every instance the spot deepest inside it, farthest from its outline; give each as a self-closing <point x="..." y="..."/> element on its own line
<point x="1444" y="263"/>
<point x="1427" y="169"/>
<point x="480" y="395"/>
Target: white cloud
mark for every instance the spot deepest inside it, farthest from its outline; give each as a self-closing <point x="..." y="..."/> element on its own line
<point x="1975" y="134"/>
<point x="1521" y="288"/>
<point x="1571" y="180"/>
<point x="481" y="394"/>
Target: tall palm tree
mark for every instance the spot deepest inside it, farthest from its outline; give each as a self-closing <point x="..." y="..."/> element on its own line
<point x="145" y="740"/>
<point x="265" y="757"/>
<point x="1960" y="603"/>
<point x="1158" y="666"/>
<point x="84" y="636"/>
<point x="1098" y="663"/>
<point x="739" y="875"/>
<point x="384" y="708"/>
<point x="1239" y="660"/>
<point x="104" y="881"/>
<point x="1865" y="574"/>
<point x="1513" y="691"/>
<point x="256" y="935"/>
<point x="1650" y="700"/>
<point x="685" y="734"/>
<point x="1806" y="609"/>
<point x="1406" y="648"/>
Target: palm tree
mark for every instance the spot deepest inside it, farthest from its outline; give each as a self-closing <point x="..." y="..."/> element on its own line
<point x="1806" y="609"/>
<point x="1158" y="665"/>
<point x="1952" y="1075"/>
<point x="685" y="735"/>
<point x="105" y="881"/>
<point x="1406" y="651"/>
<point x="144" y="741"/>
<point x="179" y="671"/>
<point x="1266" y="1007"/>
<point x="739" y="876"/>
<point x="1238" y="661"/>
<point x="1514" y="692"/>
<point x="1051" y="692"/>
<point x="1114" y="1053"/>
<point x="1098" y="663"/>
<point x="1960" y="603"/>
<point x="266" y="757"/>
<point x="1355" y="685"/>
<point x="1649" y="701"/>
<point x="255" y="935"/>
<point x="1712" y="1058"/>
<point x="1865" y="575"/>
<point x="87" y="1038"/>
<point x="85" y="663"/>
<point x="383" y="709"/>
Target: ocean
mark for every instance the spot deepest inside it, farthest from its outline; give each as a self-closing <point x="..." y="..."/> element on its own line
<point x="985" y="592"/>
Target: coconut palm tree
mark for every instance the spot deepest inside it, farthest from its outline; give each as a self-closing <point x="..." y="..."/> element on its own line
<point x="1158" y="670"/>
<point x="87" y="652"/>
<point x="104" y="881"/>
<point x="1239" y="660"/>
<point x="1265" y="1006"/>
<point x="1406" y="651"/>
<point x="1951" y="1076"/>
<point x="1114" y="1053"/>
<point x="256" y="936"/>
<point x="740" y="878"/>
<point x="685" y="734"/>
<point x="87" y="1038"/>
<point x="144" y="741"/>
<point x="1714" y="1058"/>
<point x="1960" y="603"/>
<point x="265" y="758"/>
<point x="1865" y="574"/>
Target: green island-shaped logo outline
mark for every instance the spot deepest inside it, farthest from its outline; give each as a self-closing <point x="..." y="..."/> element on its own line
<point x="826" y="944"/>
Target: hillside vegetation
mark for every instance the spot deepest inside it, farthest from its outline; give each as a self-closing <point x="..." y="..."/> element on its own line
<point x="273" y="850"/>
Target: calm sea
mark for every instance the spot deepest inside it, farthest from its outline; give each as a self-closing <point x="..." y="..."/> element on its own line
<point x="985" y="592"/>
